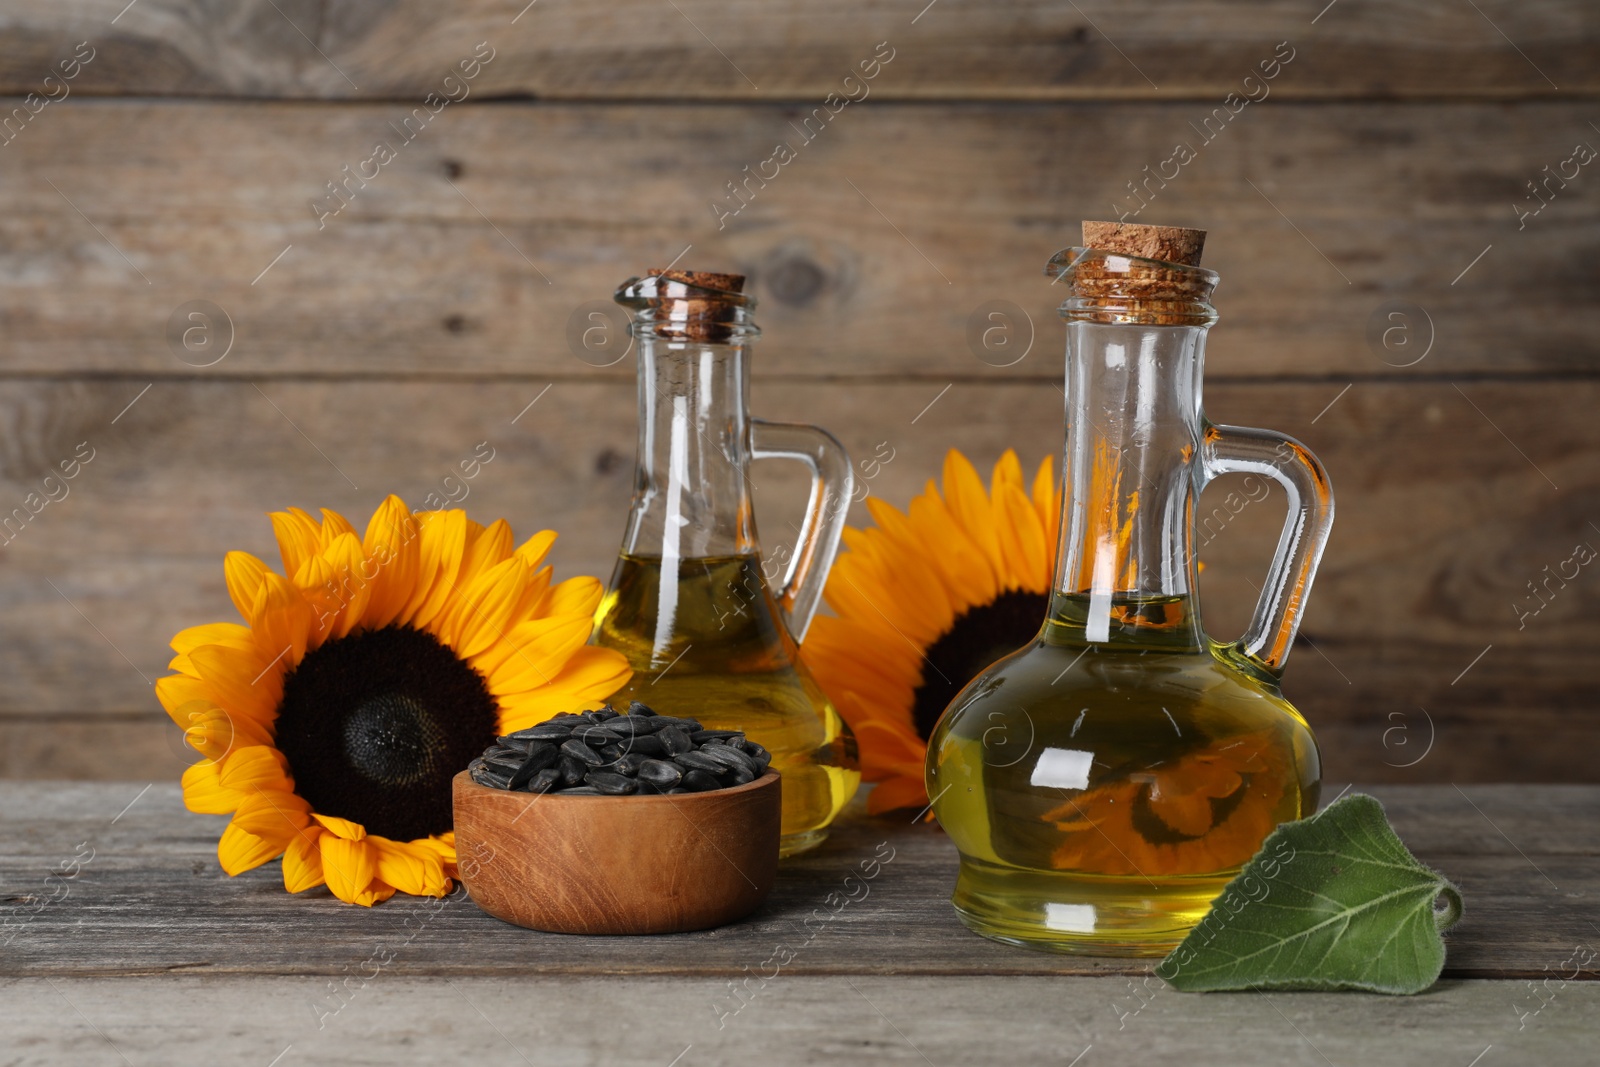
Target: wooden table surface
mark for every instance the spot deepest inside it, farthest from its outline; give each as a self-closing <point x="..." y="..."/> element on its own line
<point x="149" y="954"/>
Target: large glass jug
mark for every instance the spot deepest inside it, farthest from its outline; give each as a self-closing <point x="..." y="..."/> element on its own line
<point x="689" y="603"/>
<point x="1153" y="760"/>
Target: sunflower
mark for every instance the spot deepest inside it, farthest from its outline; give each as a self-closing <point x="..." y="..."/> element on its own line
<point x="369" y="673"/>
<point x="923" y="602"/>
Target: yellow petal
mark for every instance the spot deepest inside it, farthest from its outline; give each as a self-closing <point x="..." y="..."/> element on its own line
<point x="483" y="613"/>
<point x="1022" y="544"/>
<point x="960" y="560"/>
<point x="180" y="695"/>
<point x="213" y="733"/>
<point x="486" y="547"/>
<point x="967" y="501"/>
<point x="1007" y="470"/>
<point x="244" y="574"/>
<point x="537" y="651"/>
<point x="272" y="815"/>
<point x="230" y="634"/>
<point x="335" y="526"/>
<point x="238" y="682"/>
<point x="302" y="860"/>
<point x="580" y="594"/>
<point x="254" y="767"/>
<point x="393" y="555"/>
<point x="239" y="851"/>
<point x="354" y="580"/>
<point x="350" y="831"/>
<point x="299" y="538"/>
<point x="350" y="868"/>
<point x="591" y="675"/>
<point x="442" y="541"/>
<point x="534" y="549"/>
<point x="411" y="867"/>
<point x="282" y="621"/>
<point x="204" y="792"/>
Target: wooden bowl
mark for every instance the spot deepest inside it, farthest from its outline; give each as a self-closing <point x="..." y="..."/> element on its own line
<point x="618" y="865"/>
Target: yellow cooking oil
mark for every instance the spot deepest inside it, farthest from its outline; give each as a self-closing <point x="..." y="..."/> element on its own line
<point x="710" y="645"/>
<point x="1103" y="793"/>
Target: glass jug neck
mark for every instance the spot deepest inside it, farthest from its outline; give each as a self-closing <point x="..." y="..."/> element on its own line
<point x="691" y="496"/>
<point x="1125" y="571"/>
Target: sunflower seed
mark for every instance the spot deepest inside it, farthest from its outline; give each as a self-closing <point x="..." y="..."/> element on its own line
<point x="545" y="731"/>
<point x="699" y="761"/>
<point x="611" y="784"/>
<point x="699" y="782"/>
<point x="729" y="757"/>
<point x="637" y="708"/>
<point x="660" y="772"/>
<point x="649" y="789"/>
<point x="701" y="737"/>
<point x="635" y="725"/>
<point x="678" y="789"/>
<point x="688" y="726"/>
<point x="504" y="766"/>
<point x="580" y="751"/>
<point x="596" y="735"/>
<point x="743" y="777"/>
<point x="579" y="791"/>
<point x="674" y="740"/>
<point x="645" y="745"/>
<point x="572" y="770"/>
<point x="545" y="780"/>
<point x="541" y="756"/>
<point x="607" y="712"/>
<point x="629" y="764"/>
<point x="566" y="718"/>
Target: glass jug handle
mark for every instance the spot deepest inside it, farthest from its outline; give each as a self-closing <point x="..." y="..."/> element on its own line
<point x="1238" y="450"/>
<point x="832" y="484"/>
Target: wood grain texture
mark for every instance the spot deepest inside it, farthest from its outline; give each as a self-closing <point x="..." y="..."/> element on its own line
<point x="1040" y="49"/>
<point x="984" y="1021"/>
<point x="153" y="900"/>
<point x="619" y="865"/>
<point x="498" y="228"/>
<point x="1431" y="553"/>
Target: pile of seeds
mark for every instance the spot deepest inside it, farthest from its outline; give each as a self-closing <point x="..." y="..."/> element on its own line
<point x="607" y="753"/>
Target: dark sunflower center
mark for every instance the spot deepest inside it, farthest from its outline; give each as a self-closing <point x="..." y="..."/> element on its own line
<point x="977" y="638"/>
<point x="374" y="726"/>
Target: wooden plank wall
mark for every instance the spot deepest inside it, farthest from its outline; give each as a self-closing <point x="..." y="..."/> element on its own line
<point x="189" y="155"/>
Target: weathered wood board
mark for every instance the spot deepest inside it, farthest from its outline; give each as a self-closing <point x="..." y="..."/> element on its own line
<point x="697" y="49"/>
<point x="152" y="899"/>
<point x="984" y="1021"/>
<point x="877" y="251"/>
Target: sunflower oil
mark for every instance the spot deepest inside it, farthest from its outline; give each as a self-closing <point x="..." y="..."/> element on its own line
<point x="711" y="646"/>
<point x="1105" y="804"/>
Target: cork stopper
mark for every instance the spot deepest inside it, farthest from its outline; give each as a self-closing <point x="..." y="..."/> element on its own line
<point x="1129" y="272"/>
<point x="697" y="305"/>
<point x="1170" y="244"/>
<point x="704" y="279"/>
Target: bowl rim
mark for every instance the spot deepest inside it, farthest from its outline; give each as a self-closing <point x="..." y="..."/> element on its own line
<point x="771" y="776"/>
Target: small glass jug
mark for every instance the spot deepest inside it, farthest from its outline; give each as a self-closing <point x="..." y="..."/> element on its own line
<point x="1154" y="760"/>
<point x="689" y="603"/>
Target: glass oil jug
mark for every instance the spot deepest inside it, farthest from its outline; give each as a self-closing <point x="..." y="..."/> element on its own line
<point x="689" y="603"/>
<point x="1154" y="759"/>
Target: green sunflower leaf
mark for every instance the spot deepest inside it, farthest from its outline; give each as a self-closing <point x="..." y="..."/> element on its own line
<point x="1330" y="902"/>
